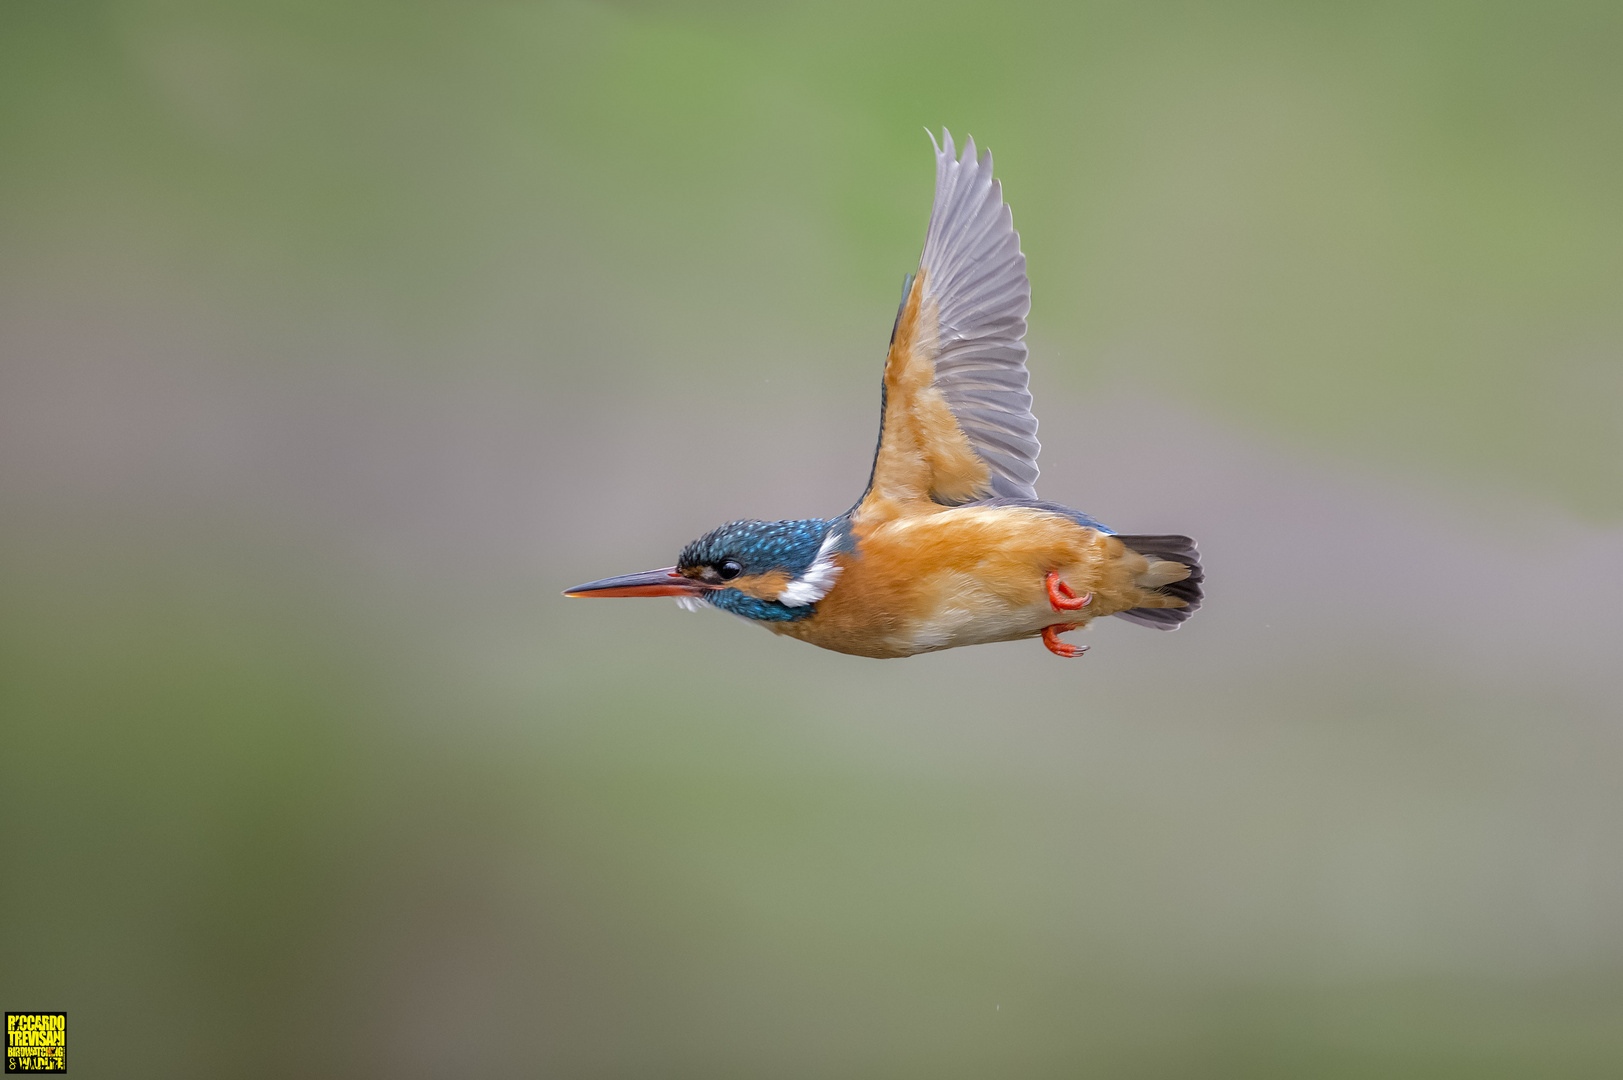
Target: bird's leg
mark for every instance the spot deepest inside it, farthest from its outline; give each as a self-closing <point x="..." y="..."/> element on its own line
<point x="1061" y="596"/>
<point x="1061" y="648"/>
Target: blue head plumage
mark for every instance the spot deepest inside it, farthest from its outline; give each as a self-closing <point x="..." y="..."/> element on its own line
<point x="747" y="550"/>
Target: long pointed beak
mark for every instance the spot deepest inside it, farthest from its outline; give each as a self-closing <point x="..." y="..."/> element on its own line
<point x="666" y="582"/>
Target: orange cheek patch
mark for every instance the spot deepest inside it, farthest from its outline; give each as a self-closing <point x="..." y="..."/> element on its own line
<point x="765" y="586"/>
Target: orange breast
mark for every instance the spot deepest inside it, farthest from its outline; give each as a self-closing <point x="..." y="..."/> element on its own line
<point x="962" y="576"/>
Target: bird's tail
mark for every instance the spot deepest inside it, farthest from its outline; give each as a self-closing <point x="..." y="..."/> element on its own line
<point x="1176" y="549"/>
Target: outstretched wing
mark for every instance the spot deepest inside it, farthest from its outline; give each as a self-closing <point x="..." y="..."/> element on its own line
<point x="957" y="423"/>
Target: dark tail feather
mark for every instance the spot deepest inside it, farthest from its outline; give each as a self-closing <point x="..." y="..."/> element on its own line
<point x="1176" y="549"/>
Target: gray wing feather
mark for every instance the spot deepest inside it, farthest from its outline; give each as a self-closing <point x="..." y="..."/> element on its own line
<point x="976" y="274"/>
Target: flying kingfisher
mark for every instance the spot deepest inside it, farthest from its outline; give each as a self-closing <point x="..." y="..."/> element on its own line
<point x="949" y="545"/>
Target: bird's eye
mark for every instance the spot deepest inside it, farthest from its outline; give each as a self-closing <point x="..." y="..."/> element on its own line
<point x="728" y="569"/>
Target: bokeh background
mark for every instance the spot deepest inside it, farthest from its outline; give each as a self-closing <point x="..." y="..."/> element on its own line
<point x="336" y="339"/>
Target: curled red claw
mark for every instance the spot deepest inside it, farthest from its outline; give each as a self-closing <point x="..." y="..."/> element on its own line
<point x="1061" y="648"/>
<point x="1061" y="596"/>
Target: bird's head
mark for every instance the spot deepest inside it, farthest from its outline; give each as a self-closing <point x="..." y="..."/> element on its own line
<point x="774" y="571"/>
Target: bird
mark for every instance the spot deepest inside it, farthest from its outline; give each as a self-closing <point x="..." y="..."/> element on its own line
<point x="949" y="544"/>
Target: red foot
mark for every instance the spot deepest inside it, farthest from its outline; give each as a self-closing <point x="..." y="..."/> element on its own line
<point x="1061" y="596"/>
<point x="1062" y="648"/>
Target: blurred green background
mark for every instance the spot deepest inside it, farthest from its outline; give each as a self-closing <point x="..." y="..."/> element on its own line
<point x="336" y="339"/>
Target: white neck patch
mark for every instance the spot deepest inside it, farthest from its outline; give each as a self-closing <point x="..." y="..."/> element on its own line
<point x="818" y="579"/>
